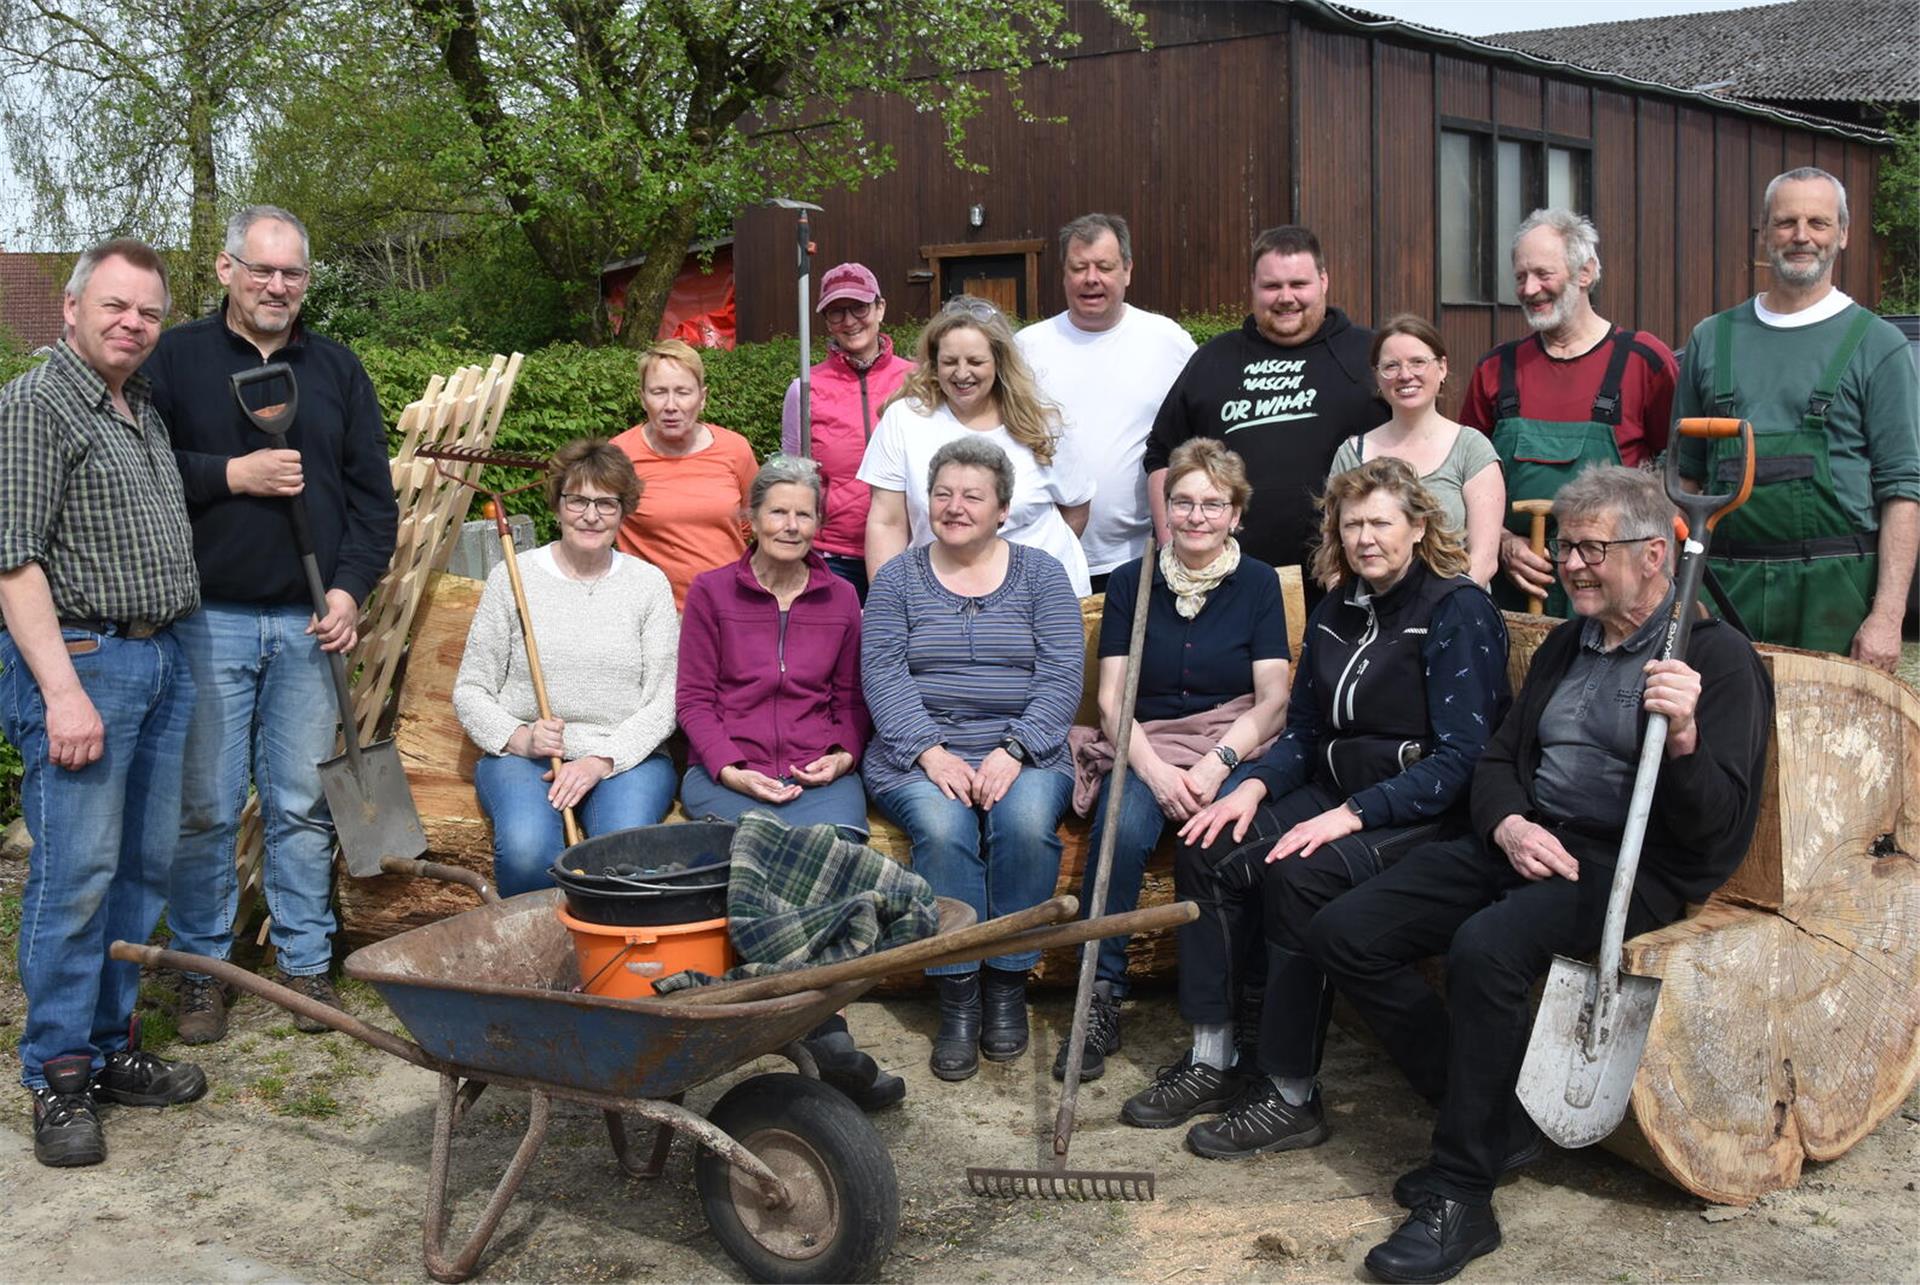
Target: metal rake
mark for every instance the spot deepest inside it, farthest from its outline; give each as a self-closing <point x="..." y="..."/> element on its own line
<point x="1063" y="1184"/>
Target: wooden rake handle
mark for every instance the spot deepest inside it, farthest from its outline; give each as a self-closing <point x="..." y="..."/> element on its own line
<point x="1536" y="539"/>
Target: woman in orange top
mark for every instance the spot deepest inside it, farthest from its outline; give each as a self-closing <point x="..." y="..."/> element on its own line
<point x="694" y="476"/>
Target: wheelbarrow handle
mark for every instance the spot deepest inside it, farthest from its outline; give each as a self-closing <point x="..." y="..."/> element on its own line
<point x="274" y="993"/>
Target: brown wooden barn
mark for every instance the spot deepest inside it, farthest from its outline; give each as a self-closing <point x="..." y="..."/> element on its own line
<point x="1412" y="152"/>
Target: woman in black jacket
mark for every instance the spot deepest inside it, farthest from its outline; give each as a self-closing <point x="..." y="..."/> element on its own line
<point x="1402" y="679"/>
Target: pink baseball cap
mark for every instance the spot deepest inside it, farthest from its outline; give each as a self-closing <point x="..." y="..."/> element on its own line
<point x="847" y="281"/>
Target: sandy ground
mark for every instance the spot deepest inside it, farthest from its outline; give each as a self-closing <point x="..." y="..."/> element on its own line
<point x="308" y="1162"/>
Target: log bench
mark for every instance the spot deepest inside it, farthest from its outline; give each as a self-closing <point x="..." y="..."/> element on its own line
<point x="1789" y="1022"/>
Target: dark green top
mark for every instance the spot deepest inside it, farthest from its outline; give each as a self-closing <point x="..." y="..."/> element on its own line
<point x="95" y="500"/>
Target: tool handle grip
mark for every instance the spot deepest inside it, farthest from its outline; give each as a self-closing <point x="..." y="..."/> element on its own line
<point x="1701" y="426"/>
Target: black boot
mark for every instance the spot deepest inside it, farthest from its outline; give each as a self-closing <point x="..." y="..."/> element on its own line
<point x="956" y="1045"/>
<point x="844" y="1067"/>
<point x="1438" y="1238"/>
<point x="1003" y="1009"/>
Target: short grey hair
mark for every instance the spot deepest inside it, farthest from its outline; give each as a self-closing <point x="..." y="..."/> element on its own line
<point x="1636" y="500"/>
<point x="787" y="470"/>
<point x="244" y="218"/>
<point x="973" y="451"/>
<point x="1088" y="228"/>
<point x="133" y="250"/>
<point x="1805" y="174"/>
<point x="1577" y="234"/>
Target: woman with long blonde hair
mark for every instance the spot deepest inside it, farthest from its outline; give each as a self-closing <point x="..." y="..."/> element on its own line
<point x="971" y="378"/>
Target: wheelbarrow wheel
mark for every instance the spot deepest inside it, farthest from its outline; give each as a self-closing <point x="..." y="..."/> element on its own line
<point x="844" y="1207"/>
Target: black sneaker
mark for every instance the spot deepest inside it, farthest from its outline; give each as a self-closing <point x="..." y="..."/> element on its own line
<point x="1261" y="1121"/>
<point x="136" y="1078"/>
<point x="314" y="987"/>
<point x="1180" y="1092"/>
<point x="1438" y="1238"/>
<point x="66" y="1132"/>
<point x="1103" y="1036"/>
<point x="203" y="1011"/>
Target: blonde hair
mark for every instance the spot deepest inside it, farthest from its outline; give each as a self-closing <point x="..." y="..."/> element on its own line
<point x="1030" y="418"/>
<point x="1442" y="547"/>
<point x="672" y="350"/>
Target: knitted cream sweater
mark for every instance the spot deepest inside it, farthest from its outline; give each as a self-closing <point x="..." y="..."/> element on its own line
<point x="608" y="651"/>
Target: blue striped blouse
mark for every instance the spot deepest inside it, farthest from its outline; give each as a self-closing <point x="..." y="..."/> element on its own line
<point x="940" y="669"/>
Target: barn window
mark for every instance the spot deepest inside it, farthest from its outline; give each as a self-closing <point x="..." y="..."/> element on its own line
<point x="1488" y="184"/>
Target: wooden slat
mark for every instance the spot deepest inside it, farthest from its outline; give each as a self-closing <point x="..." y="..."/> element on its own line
<point x="1615" y="158"/>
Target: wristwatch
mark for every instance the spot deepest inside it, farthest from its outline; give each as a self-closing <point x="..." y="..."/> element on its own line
<point x="1015" y="749"/>
<point x="1227" y="756"/>
<point x="1354" y="808"/>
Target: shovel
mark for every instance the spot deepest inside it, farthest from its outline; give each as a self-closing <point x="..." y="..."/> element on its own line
<point x="1577" y="1078"/>
<point x="373" y="811"/>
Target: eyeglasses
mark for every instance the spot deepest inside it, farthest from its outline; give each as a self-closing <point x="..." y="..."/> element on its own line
<point x="971" y="305"/>
<point x="260" y="273"/>
<point x="1183" y="507"/>
<point x="839" y="312"/>
<point x="605" y="505"/>
<point x="1415" y="366"/>
<point x="1592" y="552"/>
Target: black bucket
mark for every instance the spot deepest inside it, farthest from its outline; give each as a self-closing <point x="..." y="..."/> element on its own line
<point x="649" y="876"/>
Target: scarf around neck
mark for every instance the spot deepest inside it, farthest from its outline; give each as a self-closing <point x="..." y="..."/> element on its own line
<point x="1190" y="588"/>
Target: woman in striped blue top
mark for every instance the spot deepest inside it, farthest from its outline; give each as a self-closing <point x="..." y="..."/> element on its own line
<point x="971" y="659"/>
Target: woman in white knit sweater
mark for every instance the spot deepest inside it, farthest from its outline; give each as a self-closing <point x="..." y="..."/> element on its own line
<point x="608" y="637"/>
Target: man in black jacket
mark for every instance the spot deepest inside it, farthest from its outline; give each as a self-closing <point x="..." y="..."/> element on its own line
<point x="1549" y="802"/>
<point x="1283" y="391"/>
<point x="265" y="708"/>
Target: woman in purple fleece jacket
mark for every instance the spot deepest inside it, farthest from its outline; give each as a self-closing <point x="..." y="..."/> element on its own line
<point x="769" y="683"/>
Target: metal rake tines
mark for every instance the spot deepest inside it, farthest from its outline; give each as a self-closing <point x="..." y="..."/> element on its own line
<point x="481" y="455"/>
<point x="1061" y="1184"/>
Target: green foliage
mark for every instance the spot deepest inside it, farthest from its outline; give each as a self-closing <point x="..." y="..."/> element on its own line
<point x="10" y="770"/>
<point x="1896" y="217"/>
<point x="13" y="362"/>
<point x="1208" y="325"/>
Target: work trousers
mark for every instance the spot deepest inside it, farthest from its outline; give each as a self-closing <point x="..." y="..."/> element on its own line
<point x="1499" y="932"/>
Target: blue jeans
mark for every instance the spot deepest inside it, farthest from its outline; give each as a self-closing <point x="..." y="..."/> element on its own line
<point x="103" y="839"/>
<point x="264" y="711"/>
<point x="527" y="833"/>
<point x="1141" y="825"/>
<point x="1021" y="863"/>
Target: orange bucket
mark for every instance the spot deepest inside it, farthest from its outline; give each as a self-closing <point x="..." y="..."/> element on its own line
<point x="622" y="961"/>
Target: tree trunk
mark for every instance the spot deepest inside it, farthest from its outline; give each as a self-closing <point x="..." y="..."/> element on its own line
<point x="203" y="229"/>
<point x="666" y="251"/>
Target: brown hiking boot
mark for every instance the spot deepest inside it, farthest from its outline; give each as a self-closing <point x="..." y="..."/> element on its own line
<point x="314" y="987"/>
<point x="203" y="1011"/>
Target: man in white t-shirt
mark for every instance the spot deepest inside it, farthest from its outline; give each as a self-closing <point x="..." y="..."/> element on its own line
<point x="1108" y="367"/>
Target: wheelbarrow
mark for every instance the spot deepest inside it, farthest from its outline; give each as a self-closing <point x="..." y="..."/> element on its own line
<point x="795" y="1182"/>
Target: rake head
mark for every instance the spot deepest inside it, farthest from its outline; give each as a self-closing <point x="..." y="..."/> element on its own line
<point x="1061" y="1184"/>
<point x="479" y="455"/>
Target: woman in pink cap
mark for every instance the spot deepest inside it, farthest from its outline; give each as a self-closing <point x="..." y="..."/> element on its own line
<point x="846" y="393"/>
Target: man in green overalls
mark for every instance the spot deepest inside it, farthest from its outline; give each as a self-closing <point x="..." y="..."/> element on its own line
<point x="1577" y="391"/>
<point x="1822" y="556"/>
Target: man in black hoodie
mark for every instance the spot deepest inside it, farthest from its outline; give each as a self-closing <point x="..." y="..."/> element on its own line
<point x="264" y="706"/>
<point x="1283" y="391"/>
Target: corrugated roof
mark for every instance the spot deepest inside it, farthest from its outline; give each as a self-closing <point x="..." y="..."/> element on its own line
<point x="1803" y="51"/>
<point x="30" y="288"/>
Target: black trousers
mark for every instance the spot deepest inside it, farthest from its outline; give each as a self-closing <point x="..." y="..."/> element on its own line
<point x="1225" y="954"/>
<point x="1499" y="933"/>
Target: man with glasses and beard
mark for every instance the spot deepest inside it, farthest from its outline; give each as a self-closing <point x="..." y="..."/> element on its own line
<point x="1822" y="556"/>
<point x="1577" y="391"/>
<point x="264" y="709"/>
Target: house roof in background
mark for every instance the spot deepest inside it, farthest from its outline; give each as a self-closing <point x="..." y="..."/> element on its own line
<point x="1804" y="51"/>
<point x="30" y="290"/>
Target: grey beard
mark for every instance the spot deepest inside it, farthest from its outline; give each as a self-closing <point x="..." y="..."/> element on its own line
<point x="1795" y="275"/>
<point x="1562" y="313"/>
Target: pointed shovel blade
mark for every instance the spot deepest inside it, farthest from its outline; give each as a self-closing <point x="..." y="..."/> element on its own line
<point x="374" y="815"/>
<point x="1576" y="1098"/>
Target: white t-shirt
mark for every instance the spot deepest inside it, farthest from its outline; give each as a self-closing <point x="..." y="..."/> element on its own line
<point x="903" y="446"/>
<point x="1832" y="304"/>
<point x="1109" y="385"/>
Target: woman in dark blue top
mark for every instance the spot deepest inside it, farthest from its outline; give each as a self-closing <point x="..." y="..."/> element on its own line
<point x="1213" y="690"/>
<point x="1402" y="679"/>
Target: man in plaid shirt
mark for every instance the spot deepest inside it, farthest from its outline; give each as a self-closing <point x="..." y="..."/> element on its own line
<point x="96" y="563"/>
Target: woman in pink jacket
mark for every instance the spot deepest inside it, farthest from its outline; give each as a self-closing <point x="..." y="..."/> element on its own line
<point x="769" y="679"/>
<point x="846" y="392"/>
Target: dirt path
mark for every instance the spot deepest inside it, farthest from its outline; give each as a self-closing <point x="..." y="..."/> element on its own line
<point x="308" y="1162"/>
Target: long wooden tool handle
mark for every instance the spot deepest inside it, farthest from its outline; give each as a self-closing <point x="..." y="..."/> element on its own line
<point x="924" y="953"/>
<point x="1536" y="539"/>
<point x="1084" y="930"/>
<point x="567" y="818"/>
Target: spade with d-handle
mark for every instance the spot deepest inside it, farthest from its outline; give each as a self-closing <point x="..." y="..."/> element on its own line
<point x="366" y="788"/>
<point x="1577" y="1078"/>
